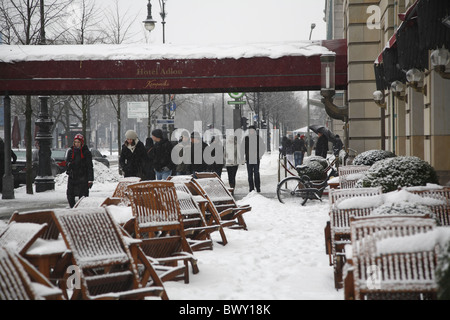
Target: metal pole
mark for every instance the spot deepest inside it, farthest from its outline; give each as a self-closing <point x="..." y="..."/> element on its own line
<point x="8" y="178"/>
<point x="308" y="136"/>
<point x="44" y="180"/>
<point x="42" y="40"/>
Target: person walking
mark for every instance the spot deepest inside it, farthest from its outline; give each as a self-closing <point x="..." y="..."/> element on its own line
<point x="198" y="163"/>
<point x="133" y="156"/>
<point x="299" y="147"/>
<point x="162" y="155"/>
<point x="182" y="168"/>
<point x="252" y="159"/>
<point x="231" y="160"/>
<point x="149" y="170"/>
<point x="287" y="150"/>
<point x="322" y="145"/>
<point x="217" y="154"/>
<point x="80" y="170"/>
<point x="337" y="145"/>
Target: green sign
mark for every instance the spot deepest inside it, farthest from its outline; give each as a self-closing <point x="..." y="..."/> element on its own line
<point x="237" y="102"/>
<point x="236" y="95"/>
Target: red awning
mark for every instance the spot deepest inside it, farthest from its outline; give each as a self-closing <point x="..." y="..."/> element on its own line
<point x="410" y="13"/>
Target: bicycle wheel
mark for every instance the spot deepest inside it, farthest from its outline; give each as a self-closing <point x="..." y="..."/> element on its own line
<point x="289" y="190"/>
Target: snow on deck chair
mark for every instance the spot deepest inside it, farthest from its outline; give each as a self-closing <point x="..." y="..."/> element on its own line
<point x="349" y="175"/>
<point x="120" y="193"/>
<point x="214" y="190"/>
<point x="212" y="215"/>
<point x="345" y="203"/>
<point x="442" y="210"/>
<point x="106" y="268"/>
<point x="19" y="280"/>
<point x="159" y="225"/>
<point x="38" y="217"/>
<point x="18" y="237"/>
<point x="370" y="276"/>
<point x="196" y="229"/>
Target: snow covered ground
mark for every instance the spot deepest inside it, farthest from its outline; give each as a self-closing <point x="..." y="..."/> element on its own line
<point x="280" y="257"/>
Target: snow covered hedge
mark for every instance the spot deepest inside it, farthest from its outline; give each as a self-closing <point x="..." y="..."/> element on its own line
<point x="401" y="171"/>
<point x="314" y="168"/>
<point x="369" y="157"/>
<point x="402" y="208"/>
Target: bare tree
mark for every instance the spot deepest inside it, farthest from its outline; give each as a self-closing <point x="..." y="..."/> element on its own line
<point x="20" y="23"/>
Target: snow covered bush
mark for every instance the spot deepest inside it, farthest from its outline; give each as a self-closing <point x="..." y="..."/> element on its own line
<point x="313" y="169"/>
<point x="369" y="157"/>
<point x="323" y="162"/>
<point x="402" y="208"/>
<point x="401" y="171"/>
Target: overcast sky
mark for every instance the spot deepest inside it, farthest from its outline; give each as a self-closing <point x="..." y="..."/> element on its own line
<point x="230" y="21"/>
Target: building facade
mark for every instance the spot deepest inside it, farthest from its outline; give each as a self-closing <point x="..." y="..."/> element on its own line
<point x="398" y="76"/>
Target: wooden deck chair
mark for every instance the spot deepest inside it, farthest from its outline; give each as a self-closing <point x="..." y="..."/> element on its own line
<point x="159" y="224"/>
<point x="214" y="190"/>
<point x="38" y="217"/>
<point x="121" y="191"/>
<point x="349" y="175"/>
<point x="19" y="280"/>
<point x="212" y="215"/>
<point x="337" y="229"/>
<point x="105" y="266"/>
<point x="362" y="260"/>
<point x="18" y="237"/>
<point x="202" y="175"/>
<point x="196" y="229"/>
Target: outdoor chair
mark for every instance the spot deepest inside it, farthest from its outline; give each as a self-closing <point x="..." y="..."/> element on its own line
<point x="349" y="175"/>
<point x="337" y="230"/>
<point x="18" y="237"/>
<point x="105" y="268"/>
<point x="217" y="193"/>
<point x="197" y="232"/>
<point x="159" y="225"/>
<point x="212" y="215"/>
<point x="19" y="280"/>
<point x="374" y="275"/>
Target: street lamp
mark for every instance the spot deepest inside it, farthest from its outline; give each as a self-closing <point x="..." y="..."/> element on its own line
<point x="149" y="23"/>
<point x="439" y="59"/>
<point x="308" y="136"/>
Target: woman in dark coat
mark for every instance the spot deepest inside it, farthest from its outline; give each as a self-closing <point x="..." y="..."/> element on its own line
<point x="80" y="170"/>
<point x="322" y="145"/>
<point x="133" y="156"/>
<point x="149" y="170"/>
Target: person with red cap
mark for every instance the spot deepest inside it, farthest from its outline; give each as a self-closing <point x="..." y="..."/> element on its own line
<point x="80" y="170"/>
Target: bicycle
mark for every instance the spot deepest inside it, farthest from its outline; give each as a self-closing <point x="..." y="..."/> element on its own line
<point x="293" y="188"/>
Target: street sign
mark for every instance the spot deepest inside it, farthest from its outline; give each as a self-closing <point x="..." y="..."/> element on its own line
<point x="237" y="102"/>
<point x="165" y="121"/>
<point x="138" y="110"/>
<point x="236" y="95"/>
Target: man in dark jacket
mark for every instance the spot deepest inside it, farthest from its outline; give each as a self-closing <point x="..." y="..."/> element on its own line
<point x="161" y="154"/>
<point x="198" y="163"/>
<point x="252" y="159"/>
<point x="133" y="156"/>
<point x="322" y="145"/>
<point x="80" y="170"/>
<point x="299" y="147"/>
